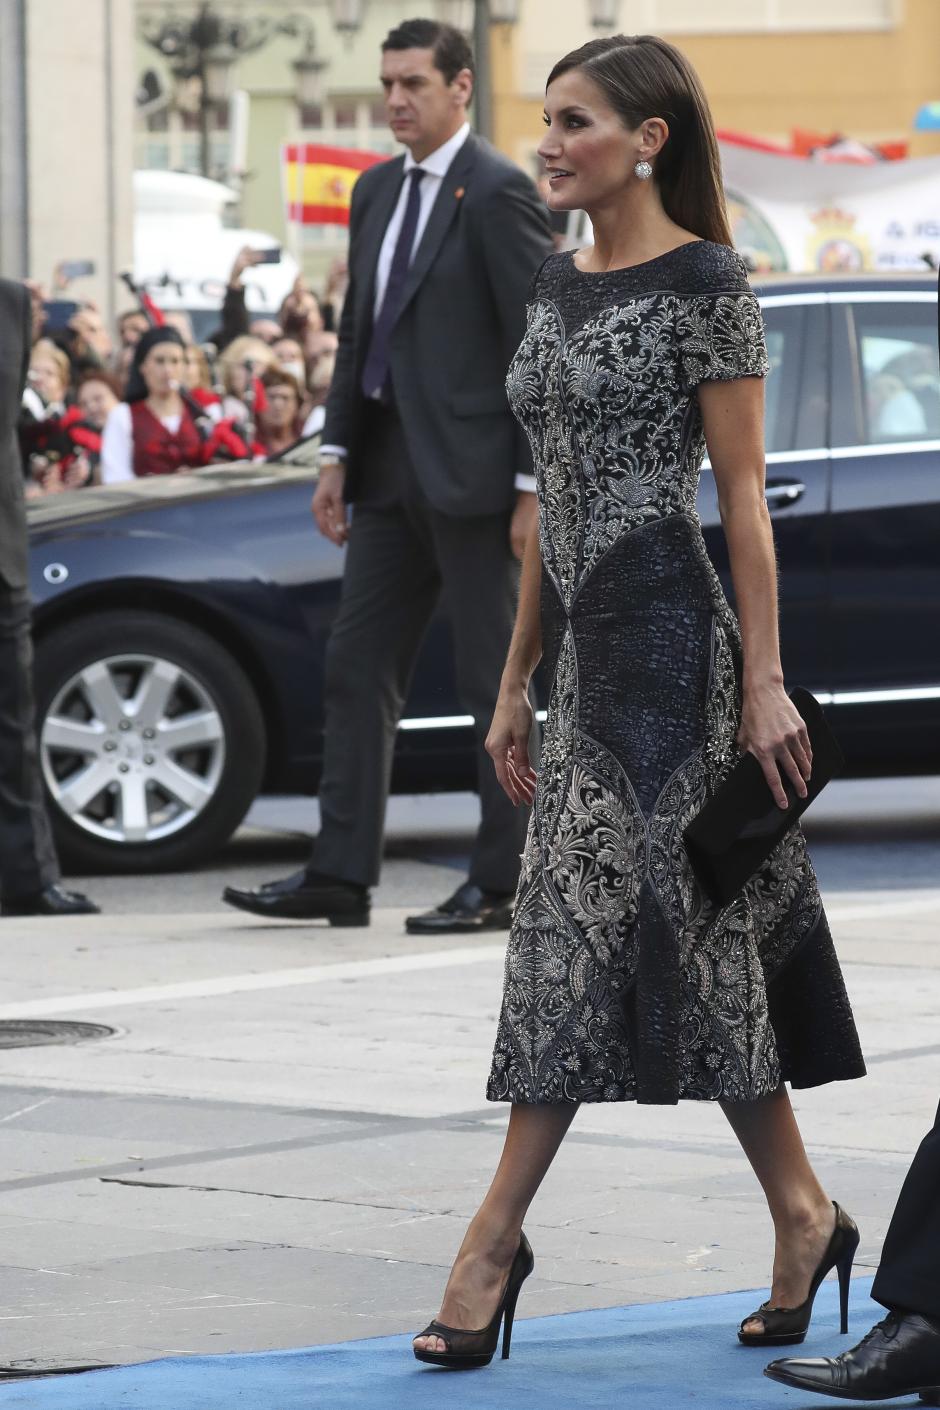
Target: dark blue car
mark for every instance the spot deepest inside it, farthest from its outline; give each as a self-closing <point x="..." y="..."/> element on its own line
<point x="181" y="623"/>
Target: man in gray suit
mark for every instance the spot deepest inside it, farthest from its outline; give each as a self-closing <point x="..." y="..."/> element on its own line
<point x="419" y="438"/>
<point x="29" y="872"/>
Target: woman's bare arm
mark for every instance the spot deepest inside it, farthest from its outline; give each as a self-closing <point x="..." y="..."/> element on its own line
<point x="508" y="740"/>
<point x="771" y="726"/>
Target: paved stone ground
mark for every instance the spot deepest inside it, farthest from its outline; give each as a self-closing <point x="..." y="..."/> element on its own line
<point x="283" y="1141"/>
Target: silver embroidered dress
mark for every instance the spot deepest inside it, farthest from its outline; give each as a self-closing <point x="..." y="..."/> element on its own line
<point x="622" y="980"/>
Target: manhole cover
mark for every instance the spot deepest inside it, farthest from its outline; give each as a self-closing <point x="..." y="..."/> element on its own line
<point x="40" y="1033"/>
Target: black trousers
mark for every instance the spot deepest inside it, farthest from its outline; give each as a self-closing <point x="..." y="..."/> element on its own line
<point x="909" y="1274"/>
<point x="27" y="854"/>
<point x="403" y="556"/>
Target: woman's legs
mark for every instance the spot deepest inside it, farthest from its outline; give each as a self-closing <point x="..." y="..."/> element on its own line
<point x="479" y="1273"/>
<point x="799" y="1206"/>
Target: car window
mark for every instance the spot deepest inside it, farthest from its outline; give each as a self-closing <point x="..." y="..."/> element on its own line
<point x="784" y="334"/>
<point x="897" y="359"/>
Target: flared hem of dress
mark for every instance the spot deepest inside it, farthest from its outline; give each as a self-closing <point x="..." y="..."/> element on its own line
<point x="811" y="1041"/>
<point x="633" y="1098"/>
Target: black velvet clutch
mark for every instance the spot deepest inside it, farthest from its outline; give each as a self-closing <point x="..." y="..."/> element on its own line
<point x="741" y="825"/>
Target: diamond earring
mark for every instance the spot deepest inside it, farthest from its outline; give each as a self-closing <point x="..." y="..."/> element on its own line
<point x="643" y="171"/>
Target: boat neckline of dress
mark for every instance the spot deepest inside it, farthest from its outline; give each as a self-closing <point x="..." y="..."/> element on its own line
<point x="627" y="268"/>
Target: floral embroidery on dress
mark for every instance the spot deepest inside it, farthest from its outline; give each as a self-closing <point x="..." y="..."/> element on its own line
<point x="622" y="979"/>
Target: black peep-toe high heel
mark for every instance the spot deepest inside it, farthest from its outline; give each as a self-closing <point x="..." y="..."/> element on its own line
<point x="787" y="1326"/>
<point x="466" y="1350"/>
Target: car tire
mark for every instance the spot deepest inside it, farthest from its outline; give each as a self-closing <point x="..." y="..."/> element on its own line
<point x="87" y="673"/>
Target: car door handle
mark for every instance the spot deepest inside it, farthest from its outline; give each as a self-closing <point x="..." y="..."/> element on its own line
<point x="783" y="491"/>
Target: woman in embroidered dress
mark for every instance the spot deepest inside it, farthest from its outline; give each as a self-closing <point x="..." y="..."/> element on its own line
<point x="623" y="981"/>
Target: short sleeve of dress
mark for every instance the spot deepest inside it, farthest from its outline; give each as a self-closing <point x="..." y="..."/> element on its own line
<point x="721" y="330"/>
<point x="537" y="281"/>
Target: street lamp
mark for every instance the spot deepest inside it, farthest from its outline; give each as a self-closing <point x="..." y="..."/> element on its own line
<point x="604" y="14"/>
<point x="308" y="71"/>
<point x="347" y="15"/>
<point x="206" y="49"/>
<point x="216" y="70"/>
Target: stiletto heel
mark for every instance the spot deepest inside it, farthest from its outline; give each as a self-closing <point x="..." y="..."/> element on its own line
<point x="508" y="1321"/>
<point x="787" y="1326"/>
<point x="467" y="1350"/>
<point x="844" y="1267"/>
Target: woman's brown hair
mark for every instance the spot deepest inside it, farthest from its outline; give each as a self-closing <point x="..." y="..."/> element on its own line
<point x="641" y="76"/>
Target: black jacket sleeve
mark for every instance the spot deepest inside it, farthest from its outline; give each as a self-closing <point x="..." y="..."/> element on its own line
<point x="342" y="399"/>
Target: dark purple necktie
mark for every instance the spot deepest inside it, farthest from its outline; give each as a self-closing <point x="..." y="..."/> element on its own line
<point x="375" y="371"/>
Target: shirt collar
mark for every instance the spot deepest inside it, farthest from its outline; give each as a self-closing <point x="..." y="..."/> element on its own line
<point x="438" y="162"/>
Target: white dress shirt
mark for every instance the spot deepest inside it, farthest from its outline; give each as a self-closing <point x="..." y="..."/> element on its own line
<point x="435" y="168"/>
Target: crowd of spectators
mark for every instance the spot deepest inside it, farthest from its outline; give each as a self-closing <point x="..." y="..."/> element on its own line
<point x="150" y="400"/>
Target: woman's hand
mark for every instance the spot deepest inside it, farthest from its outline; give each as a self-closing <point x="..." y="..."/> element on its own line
<point x="508" y="743"/>
<point x="772" y="729"/>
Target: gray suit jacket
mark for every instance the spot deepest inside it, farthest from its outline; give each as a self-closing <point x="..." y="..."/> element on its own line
<point x="463" y="318"/>
<point x="15" y="346"/>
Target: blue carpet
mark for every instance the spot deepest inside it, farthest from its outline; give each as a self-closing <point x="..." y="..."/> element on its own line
<point x="654" y="1357"/>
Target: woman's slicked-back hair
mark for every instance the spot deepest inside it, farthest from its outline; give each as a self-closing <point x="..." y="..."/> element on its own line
<point x="450" y="48"/>
<point x="641" y="76"/>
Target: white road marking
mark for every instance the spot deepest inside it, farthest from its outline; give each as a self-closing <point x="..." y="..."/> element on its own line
<point x="916" y="906"/>
<point x="350" y="970"/>
<point x="24" y="1109"/>
<point x="253" y="983"/>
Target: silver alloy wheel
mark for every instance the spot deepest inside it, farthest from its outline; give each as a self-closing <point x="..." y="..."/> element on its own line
<point x="132" y="748"/>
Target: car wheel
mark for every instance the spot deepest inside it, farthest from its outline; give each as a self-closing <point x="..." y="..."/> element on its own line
<point x="151" y="741"/>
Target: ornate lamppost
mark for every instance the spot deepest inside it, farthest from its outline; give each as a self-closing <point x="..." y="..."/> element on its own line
<point x="206" y="48"/>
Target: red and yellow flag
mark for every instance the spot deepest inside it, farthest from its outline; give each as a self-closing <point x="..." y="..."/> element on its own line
<point x="318" y="181"/>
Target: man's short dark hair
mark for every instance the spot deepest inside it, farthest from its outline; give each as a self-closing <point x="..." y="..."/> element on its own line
<point x="450" y="49"/>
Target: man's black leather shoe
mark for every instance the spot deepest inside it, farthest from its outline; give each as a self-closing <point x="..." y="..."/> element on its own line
<point x="54" y="901"/>
<point x="468" y="911"/>
<point x="305" y="896"/>
<point x="900" y="1356"/>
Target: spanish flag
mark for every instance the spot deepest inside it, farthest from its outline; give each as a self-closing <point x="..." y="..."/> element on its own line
<point x="318" y="181"/>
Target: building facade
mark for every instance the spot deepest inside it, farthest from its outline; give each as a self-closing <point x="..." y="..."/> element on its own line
<point x="859" y="67"/>
<point x="66" y="141"/>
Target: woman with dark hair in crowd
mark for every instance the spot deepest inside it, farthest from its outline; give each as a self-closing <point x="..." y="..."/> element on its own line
<point x="158" y="429"/>
<point x="280" y="425"/>
<point x="624" y="981"/>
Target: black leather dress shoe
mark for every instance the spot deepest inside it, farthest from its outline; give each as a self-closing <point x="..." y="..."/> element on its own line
<point x="54" y="901"/>
<point x="469" y="910"/>
<point x="900" y="1356"/>
<point x="305" y="896"/>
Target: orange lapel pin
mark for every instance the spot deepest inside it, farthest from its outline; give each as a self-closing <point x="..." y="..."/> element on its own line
<point x="460" y="193"/>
